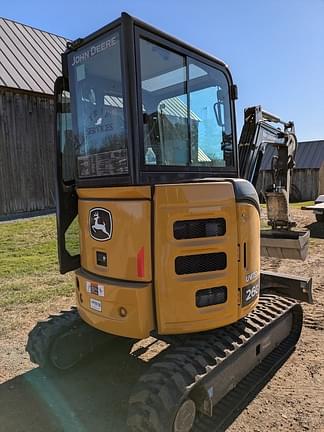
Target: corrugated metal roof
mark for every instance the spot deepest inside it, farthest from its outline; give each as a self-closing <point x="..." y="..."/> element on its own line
<point x="202" y="157"/>
<point x="30" y="59"/>
<point x="175" y="107"/>
<point x="114" y="101"/>
<point x="310" y="154"/>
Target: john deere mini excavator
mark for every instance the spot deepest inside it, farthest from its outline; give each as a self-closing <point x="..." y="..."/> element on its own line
<point x="169" y="223"/>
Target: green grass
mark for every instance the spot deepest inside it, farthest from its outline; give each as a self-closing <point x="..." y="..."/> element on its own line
<point x="28" y="262"/>
<point x="296" y="205"/>
<point x="301" y="204"/>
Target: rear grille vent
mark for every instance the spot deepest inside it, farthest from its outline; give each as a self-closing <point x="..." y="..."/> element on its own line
<point x="200" y="263"/>
<point x="190" y="229"/>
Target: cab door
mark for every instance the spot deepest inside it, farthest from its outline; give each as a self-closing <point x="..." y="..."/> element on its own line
<point x="66" y="197"/>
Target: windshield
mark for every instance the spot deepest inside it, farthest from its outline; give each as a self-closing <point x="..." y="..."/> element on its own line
<point x="186" y="110"/>
<point x="97" y="99"/>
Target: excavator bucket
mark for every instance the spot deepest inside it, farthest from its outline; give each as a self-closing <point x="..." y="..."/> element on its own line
<point x="284" y="244"/>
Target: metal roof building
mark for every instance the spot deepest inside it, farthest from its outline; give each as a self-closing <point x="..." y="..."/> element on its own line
<point x="308" y="174"/>
<point x="30" y="61"/>
<point x="30" y="58"/>
<point x="310" y="154"/>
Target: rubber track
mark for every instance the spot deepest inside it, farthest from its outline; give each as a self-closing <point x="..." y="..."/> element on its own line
<point x="159" y="392"/>
<point x="41" y="337"/>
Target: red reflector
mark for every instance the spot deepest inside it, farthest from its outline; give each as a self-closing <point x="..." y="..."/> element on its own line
<point x="140" y="263"/>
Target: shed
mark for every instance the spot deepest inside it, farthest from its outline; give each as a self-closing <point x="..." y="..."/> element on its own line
<point x="29" y="64"/>
<point x="307" y="176"/>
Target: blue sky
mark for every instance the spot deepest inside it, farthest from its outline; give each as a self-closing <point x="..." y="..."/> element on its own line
<point x="275" y="48"/>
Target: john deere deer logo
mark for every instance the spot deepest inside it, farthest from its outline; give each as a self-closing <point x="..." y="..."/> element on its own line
<point x="100" y="224"/>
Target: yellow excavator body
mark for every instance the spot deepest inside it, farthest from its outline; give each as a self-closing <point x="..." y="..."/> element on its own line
<point x="187" y="240"/>
<point x="149" y="164"/>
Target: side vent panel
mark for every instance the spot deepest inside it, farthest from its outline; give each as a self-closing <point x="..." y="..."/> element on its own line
<point x="190" y="229"/>
<point x="201" y="263"/>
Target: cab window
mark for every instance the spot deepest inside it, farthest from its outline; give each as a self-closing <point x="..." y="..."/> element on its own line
<point x="185" y="110"/>
<point x="99" y="128"/>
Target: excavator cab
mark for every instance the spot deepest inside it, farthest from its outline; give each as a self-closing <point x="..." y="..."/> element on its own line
<point x="144" y="110"/>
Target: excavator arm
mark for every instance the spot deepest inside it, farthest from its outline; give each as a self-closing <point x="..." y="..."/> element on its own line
<point x="258" y="132"/>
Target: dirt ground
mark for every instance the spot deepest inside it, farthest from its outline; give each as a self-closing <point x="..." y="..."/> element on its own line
<point x="32" y="402"/>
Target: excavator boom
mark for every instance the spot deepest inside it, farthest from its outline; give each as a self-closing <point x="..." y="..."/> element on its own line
<point x="258" y="133"/>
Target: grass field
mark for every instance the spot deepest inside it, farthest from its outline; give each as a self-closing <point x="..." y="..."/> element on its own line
<point x="28" y="262"/>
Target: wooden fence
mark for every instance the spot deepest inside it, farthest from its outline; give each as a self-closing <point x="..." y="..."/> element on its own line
<point x="27" y="154"/>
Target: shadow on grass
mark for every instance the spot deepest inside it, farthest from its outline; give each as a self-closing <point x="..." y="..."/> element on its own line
<point x="93" y="397"/>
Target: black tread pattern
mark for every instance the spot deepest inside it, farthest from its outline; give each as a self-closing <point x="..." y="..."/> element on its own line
<point x="42" y="336"/>
<point x="161" y="390"/>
